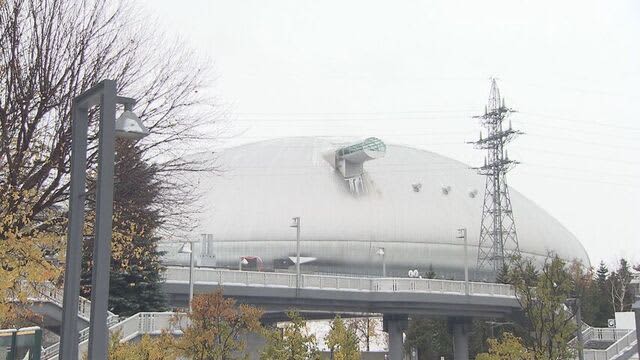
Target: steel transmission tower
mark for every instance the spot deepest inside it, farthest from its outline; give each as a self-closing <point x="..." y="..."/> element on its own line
<point x="498" y="238"/>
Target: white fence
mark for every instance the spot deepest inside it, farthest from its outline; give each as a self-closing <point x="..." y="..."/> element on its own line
<point x="330" y="282"/>
<point x="49" y="293"/>
<point x="622" y="339"/>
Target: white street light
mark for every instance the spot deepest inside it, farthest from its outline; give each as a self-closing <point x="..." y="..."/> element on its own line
<point x="295" y="223"/>
<point x="128" y="125"/>
<point x="384" y="264"/>
<point x="187" y="248"/>
<point x="105" y="96"/>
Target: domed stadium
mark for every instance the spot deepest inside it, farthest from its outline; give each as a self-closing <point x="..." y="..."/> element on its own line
<point x="360" y="205"/>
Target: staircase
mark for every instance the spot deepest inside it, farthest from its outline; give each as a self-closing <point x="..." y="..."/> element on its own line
<point x="152" y="323"/>
<point x="50" y="293"/>
<point x="608" y="343"/>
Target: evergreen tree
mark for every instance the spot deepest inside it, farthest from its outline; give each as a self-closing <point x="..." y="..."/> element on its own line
<point x="136" y="271"/>
<point x="601" y="275"/>
<point x="601" y="298"/>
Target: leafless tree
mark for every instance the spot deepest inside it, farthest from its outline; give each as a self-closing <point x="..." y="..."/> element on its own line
<point x="620" y="281"/>
<point x="365" y="329"/>
<point x="53" y="50"/>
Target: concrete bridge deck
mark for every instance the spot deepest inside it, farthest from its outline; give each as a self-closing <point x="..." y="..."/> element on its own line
<point x="396" y="298"/>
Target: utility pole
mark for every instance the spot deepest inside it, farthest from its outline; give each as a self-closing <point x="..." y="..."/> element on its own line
<point x="498" y="241"/>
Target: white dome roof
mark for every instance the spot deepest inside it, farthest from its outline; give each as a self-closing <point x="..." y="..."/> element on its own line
<point x="248" y="209"/>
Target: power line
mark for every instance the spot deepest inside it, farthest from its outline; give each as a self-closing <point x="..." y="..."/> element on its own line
<point x="582" y="122"/>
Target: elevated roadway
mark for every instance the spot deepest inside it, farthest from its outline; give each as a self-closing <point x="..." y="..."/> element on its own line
<point x="396" y="298"/>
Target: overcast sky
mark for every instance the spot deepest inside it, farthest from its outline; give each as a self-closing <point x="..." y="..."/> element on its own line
<point x="414" y="72"/>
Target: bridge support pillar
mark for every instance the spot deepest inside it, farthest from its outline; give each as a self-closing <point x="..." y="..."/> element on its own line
<point x="395" y="325"/>
<point x="460" y="327"/>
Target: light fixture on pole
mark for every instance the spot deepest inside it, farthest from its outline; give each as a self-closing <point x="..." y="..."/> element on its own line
<point x="295" y="223"/>
<point x="187" y="248"/>
<point x="105" y="96"/>
<point x="381" y="252"/>
<point x="128" y="125"/>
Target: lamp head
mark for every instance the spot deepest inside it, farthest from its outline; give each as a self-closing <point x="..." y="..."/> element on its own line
<point x="295" y="222"/>
<point x="380" y="251"/>
<point x="128" y="125"/>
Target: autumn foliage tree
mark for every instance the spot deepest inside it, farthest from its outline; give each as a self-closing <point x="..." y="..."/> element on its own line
<point x="509" y="347"/>
<point x="148" y="348"/>
<point x="25" y="244"/>
<point x="342" y="341"/>
<point x="217" y="328"/>
<point x="291" y="342"/>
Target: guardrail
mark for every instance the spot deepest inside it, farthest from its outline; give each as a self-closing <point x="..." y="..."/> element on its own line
<point x="48" y="292"/>
<point x="623" y="339"/>
<point x="330" y="282"/>
<point x="152" y="323"/>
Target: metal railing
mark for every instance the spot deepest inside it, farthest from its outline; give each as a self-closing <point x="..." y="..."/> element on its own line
<point x="622" y="339"/>
<point x="49" y="293"/>
<point x="152" y="323"/>
<point x="329" y="282"/>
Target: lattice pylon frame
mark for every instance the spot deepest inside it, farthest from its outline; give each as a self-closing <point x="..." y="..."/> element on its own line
<point x="498" y="242"/>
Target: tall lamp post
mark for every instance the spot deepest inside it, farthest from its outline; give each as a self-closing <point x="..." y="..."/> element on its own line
<point x="575" y="303"/>
<point x="381" y="252"/>
<point x="462" y="234"/>
<point x="127" y="125"/>
<point x="187" y="248"/>
<point x="295" y="223"/>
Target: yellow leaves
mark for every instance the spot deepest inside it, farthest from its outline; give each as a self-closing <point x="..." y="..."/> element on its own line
<point x="216" y="327"/>
<point x="125" y="230"/>
<point x="342" y="341"/>
<point x="23" y="242"/>
<point x="509" y="347"/>
<point x="148" y="348"/>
